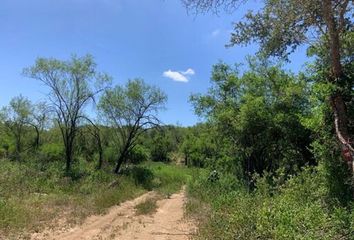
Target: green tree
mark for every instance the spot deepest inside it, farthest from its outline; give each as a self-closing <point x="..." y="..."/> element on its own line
<point x="279" y="27"/>
<point x="258" y="115"/>
<point x="73" y="84"/>
<point x="131" y="110"/>
<point x="17" y="118"/>
<point x="200" y="146"/>
<point x="161" y="147"/>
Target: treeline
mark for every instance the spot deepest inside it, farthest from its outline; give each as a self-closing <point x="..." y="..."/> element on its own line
<point x="263" y="120"/>
<point x="61" y="126"/>
<point x="85" y="147"/>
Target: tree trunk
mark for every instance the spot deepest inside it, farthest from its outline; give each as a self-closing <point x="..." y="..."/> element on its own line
<point x="122" y="157"/>
<point x="37" y="138"/>
<point x="18" y="149"/>
<point x="341" y="128"/>
<point x="119" y="163"/>
<point x="100" y="151"/>
<point x="68" y="158"/>
<point x="69" y="153"/>
<point x="100" y="158"/>
<point x="336" y="100"/>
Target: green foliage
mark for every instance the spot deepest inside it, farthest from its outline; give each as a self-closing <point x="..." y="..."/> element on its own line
<point x="280" y="27"/>
<point x="169" y="178"/>
<point x="50" y="152"/>
<point x="319" y="119"/>
<point x="255" y="120"/>
<point x="130" y="110"/>
<point x="297" y="209"/>
<point x="200" y="147"/>
<point x="17" y="120"/>
<point x="160" y="149"/>
<point x="265" y="131"/>
<point x="110" y="154"/>
<point x="164" y="143"/>
<point x="72" y="84"/>
<point x="139" y="154"/>
<point x="141" y="175"/>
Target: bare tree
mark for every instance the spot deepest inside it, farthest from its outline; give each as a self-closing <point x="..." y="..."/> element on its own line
<point x="130" y="111"/>
<point x="73" y="84"/>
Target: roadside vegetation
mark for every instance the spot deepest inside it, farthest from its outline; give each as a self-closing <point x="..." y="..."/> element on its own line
<point x="277" y="147"/>
<point x="297" y="209"/>
<point x="272" y="168"/>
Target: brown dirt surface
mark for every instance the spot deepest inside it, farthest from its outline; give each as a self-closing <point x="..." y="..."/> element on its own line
<point x="121" y="222"/>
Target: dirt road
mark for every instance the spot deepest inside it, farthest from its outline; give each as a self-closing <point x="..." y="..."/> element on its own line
<point x="121" y="222"/>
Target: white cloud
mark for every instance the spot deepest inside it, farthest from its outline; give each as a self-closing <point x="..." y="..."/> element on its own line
<point x="189" y="71"/>
<point x="215" y="33"/>
<point x="175" y="76"/>
<point x="179" y="76"/>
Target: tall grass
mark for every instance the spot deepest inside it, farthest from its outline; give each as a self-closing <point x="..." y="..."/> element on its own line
<point x="297" y="209"/>
<point x="169" y="178"/>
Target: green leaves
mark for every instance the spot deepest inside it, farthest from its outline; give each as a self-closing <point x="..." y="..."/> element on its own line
<point x="258" y="114"/>
<point x="130" y="102"/>
<point x="130" y="110"/>
<point x="72" y="84"/>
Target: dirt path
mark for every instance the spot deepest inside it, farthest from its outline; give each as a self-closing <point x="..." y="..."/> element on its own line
<point x="121" y="222"/>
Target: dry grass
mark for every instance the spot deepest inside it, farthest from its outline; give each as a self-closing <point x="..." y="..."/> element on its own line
<point x="149" y="206"/>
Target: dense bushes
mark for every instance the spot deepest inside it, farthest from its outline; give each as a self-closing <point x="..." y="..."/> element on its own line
<point x="139" y="154"/>
<point x="297" y="209"/>
<point x="51" y="152"/>
<point x="141" y="175"/>
<point x="254" y="121"/>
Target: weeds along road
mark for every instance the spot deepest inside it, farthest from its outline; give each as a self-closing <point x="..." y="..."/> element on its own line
<point x="122" y="222"/>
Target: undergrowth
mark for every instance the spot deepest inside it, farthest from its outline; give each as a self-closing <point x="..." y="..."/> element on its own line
<point x="297" y="209"/>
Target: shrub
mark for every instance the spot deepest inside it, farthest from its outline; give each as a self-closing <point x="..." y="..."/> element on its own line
<point x="139" y="154"/>
<point x="51" y="152"/>
<point x="110" y="154"/>
<point x="141" y="175"/>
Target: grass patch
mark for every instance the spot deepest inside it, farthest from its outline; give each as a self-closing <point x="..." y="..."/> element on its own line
<point x="149" y="206"/>
<point x="297" y="209"/>
<point x="169" y="179"/>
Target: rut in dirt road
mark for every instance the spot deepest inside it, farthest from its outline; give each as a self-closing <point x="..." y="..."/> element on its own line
<point x="121" y="222"/>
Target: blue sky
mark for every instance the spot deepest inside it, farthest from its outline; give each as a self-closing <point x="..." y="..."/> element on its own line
<point x="156" y="40"/>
